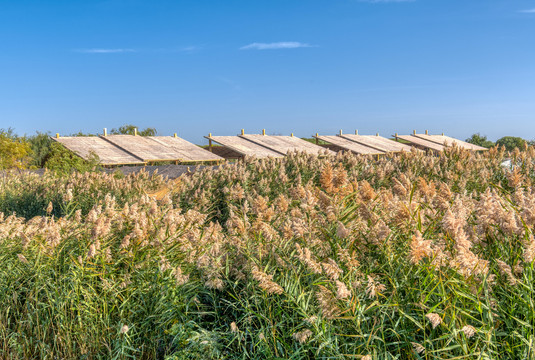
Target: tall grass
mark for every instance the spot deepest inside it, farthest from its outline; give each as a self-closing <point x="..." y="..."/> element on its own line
<point x="408" y="257"/>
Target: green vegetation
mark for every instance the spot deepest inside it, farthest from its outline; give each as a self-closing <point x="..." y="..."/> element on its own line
<point x="411" y="257"/>
<point x="480" y="140"/>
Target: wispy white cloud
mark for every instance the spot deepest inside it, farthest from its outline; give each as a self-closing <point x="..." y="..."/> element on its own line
<point x="528" y="11"/>
<point x="104" y="51"/>
<point x="275" y="45"/>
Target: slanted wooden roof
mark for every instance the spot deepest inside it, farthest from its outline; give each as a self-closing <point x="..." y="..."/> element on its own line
<point x="161" y="148"/>
<point x="108" y="153"/>
<point x="285" y="144"/>
<point x="144" y="147"/>
<point x="245" y="147"/>
<point x="187" y="150"/>
<point x="349" y="145"/>
<point x="448" y="141"/>
<point x="421" y="142"/>
<point x="378" y="142"/>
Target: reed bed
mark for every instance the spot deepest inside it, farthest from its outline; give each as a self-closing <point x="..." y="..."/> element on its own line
<point x="406" y="257"/>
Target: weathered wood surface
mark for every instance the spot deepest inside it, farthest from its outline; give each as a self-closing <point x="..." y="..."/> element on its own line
<point x="448" y="141"/>
<point x="187" y="150"/>
<point x="108" y="153"/>
<point x="378" y="142"/>
<point x="144" y="148"/>
<point x="285" y="144"/>
<point x="349" y="145"/>
<point x="245" y="147"/>
<point x="421" y="142"/>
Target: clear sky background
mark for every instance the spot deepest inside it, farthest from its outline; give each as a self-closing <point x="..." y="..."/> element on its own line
<point x="302" y="66"/>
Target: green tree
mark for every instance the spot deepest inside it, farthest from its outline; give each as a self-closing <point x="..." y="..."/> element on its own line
<point x="511" y="142"/>
<point x="480" y="140"/>
<point x="129" y="129"/>
<point x="65" y="161"/>
<point x="41" y="148"/>
<point x="14" y="151"/>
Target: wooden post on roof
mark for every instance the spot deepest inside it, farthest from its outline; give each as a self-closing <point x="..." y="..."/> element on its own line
<point x="356" y="132"/>
<point x="442" y="134"/>
<point x="414" y="132"/>
<point x="57" y="135"/>
<point x="210" y="142"/>
<point x="340" y="134"/>
<point x="242" y="131"/>
<point x="396" y="136"/>
<point x="135" y="131"/>
<point x="427" y="132"/>
<point x="292" y="134"/>
<point x="174" y="135"/>
<point x="377" y="134"/>
<point x="263" y="131"/>
<point x="105" y="132"/>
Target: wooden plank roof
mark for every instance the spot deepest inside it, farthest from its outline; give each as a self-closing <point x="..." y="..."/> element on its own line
<point x="245" y="147"/>
<point x="378" y="142"/>
<point x="108" y="153"/>
<point x="349" y="145"/>
<point x="187" y="150"/>
<point x="447" y="140"/>
<point x="285" y="144"/>
<point x="144" y="147"/>
<point x="421" y="142"/>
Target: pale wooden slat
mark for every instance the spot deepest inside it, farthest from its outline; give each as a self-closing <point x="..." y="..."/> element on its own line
<point x="349" y="145"/>
<point x="108" y="154"/>
<point x="448" y="141"/>
<point x="244" y="146"/>
<point x="187" y="150"/>
<point x="378" y="142"/>
<point x="285" y="144"/>
<point x="421" y="142"/>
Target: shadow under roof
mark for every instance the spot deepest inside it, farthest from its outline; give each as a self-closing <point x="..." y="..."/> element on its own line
<point x="285" y="144"/>
<point x="349" y="145"/>
<point x="108" y="153"/>
<point x="245" y="147"/>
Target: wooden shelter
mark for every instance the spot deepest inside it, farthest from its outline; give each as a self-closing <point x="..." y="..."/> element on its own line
<point x="378" y="142"/>
<point x="109" y="154"/>
<point x="243" y="147"/>
<point x="161" y="148"/>
<point x="448" y="141"/>
<point x="346" y="144"/>
<point x="420" y="143"/>
<point x="285" y="144"/>
<point x="135" y="150"/>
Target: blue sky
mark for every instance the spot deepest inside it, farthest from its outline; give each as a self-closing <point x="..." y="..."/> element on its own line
<point x="302" y="66"/>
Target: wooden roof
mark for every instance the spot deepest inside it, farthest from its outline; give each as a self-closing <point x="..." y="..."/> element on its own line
<point x="108" y="153"/>
<point x="161" y="148"/>
<point x="378" y="142"/>
<point x="188" y="151"/>
<point x="349" y="145"/>
<point x="421" y="142"/>
<point x="285" y="144"/>
<point x="245" y="147"/>
<point x="446" y="140"/>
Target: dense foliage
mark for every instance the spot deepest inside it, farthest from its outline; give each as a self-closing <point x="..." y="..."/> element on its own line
<point x="408" y="257"/>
